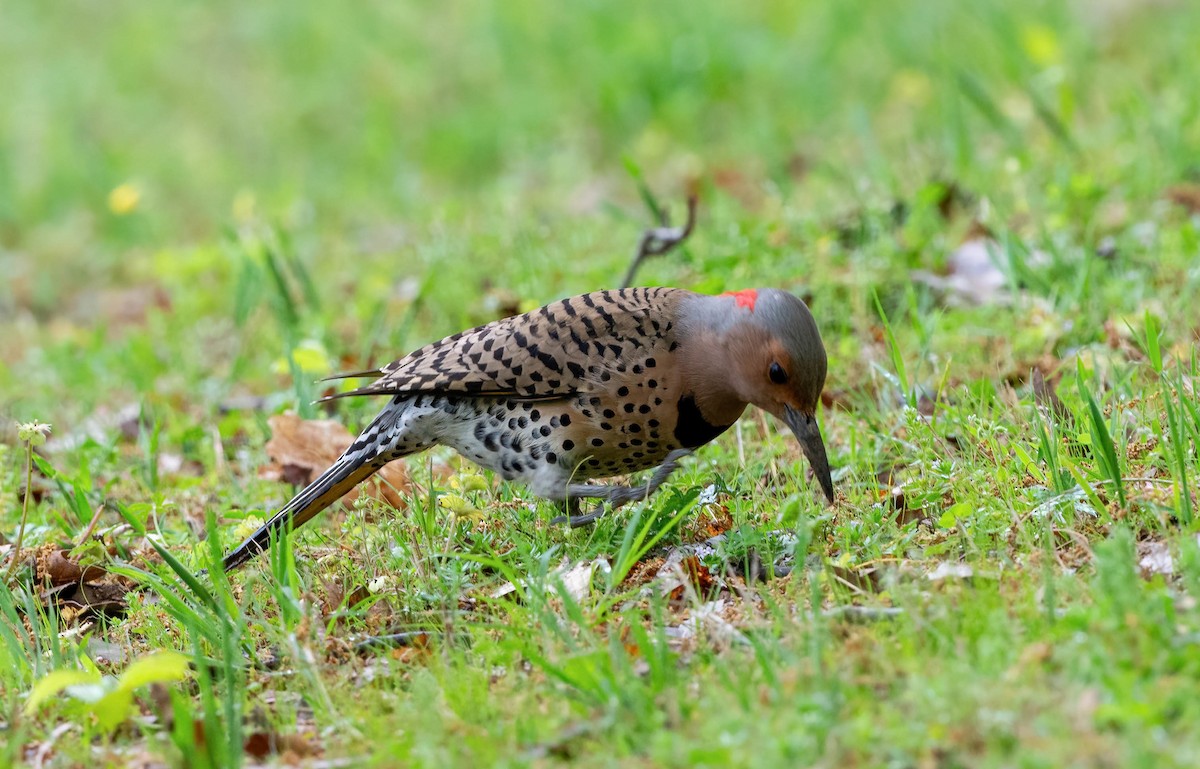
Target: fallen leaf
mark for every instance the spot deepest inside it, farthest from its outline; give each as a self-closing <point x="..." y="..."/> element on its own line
<point x="714" y="520"/>
<point x="896" y="498"/>
<point x="577" y="581"/>
<point x="60" y="570"/>
<point x="258" y="745"/>
<point x="290" y="747"/>
<point x="950" y="570"/>
<point x="1186" y="195"/>
<point x="708" y="620"/>
<point x="974" y="276"/>
<point x="300" y="450"/>
<point x="1154" y="557"/>
<point x="698" y="574"/>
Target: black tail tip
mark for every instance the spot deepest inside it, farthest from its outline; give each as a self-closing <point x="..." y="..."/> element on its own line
<point x="242" y="555"/>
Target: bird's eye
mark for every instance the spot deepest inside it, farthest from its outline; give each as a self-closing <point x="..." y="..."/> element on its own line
<point x="777" y="374"/>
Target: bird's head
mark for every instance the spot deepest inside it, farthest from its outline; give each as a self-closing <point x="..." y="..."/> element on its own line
<point x="777" y="362"/>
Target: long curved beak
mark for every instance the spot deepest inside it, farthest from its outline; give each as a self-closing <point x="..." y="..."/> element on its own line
<point x="804" y="426"/>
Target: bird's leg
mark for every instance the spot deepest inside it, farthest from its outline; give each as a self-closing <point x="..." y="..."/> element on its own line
<point x="615" y="496"/>
<point x="570" y="508"/>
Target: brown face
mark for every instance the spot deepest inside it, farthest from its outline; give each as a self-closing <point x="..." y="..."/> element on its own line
<point x="788" y="386"/>
<point x="761" y="346"/>
<point x="778" y="379"/>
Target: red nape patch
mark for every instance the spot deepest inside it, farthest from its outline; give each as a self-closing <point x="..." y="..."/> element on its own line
<point x="745" y="298"/>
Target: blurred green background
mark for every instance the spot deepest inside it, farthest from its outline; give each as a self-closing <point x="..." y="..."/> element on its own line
<point x="141" y="144"/>
<point x="204" y="207"/>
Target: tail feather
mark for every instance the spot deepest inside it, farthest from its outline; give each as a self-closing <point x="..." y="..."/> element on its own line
<point x="367" y="372"/>
<point x="329" y="487"/>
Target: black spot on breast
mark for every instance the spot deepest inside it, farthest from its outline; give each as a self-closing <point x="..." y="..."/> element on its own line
<point x="545" y="431"/>
<point x="568" y="445"/>
<point x="564" y="420"/>
<point x="597" y="442"/>
<point x="551" y="458"/>
<point x="693" y="429"/>
<point x="622" y="391"/>
<point x="650" y="362"/>
<point x="644" y="408"/>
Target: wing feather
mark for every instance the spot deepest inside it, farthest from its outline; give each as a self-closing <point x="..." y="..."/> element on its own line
<point x="551" y="352"/>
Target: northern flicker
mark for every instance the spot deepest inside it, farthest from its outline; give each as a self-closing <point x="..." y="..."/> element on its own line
<point x="597" y="385"/>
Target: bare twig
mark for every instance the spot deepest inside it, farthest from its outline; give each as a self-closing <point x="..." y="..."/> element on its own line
<point x="660" y="240"/>
<point x="91" y="527"/>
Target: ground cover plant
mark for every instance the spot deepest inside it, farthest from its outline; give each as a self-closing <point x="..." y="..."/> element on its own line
<point x="992" y="208"/>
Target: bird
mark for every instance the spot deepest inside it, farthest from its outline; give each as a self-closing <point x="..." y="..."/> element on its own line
<point x="597" y="385"/>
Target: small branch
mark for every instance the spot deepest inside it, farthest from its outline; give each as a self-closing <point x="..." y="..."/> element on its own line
<point x="660" y="240"/>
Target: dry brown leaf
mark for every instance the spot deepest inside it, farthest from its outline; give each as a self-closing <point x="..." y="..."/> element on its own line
<point x="1186" y="195"/>
<point x="59" y="569"/>
<point x="698" y="574"/>
<point x="714" y="520"/>
<point x="302" y="449"/>
<point x="290" y="747"/>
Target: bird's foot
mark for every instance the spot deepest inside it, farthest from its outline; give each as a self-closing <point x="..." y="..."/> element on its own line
<point x="614" y="496"/>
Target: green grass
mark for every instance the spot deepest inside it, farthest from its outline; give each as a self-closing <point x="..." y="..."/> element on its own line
<point x="203" y="208"/>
